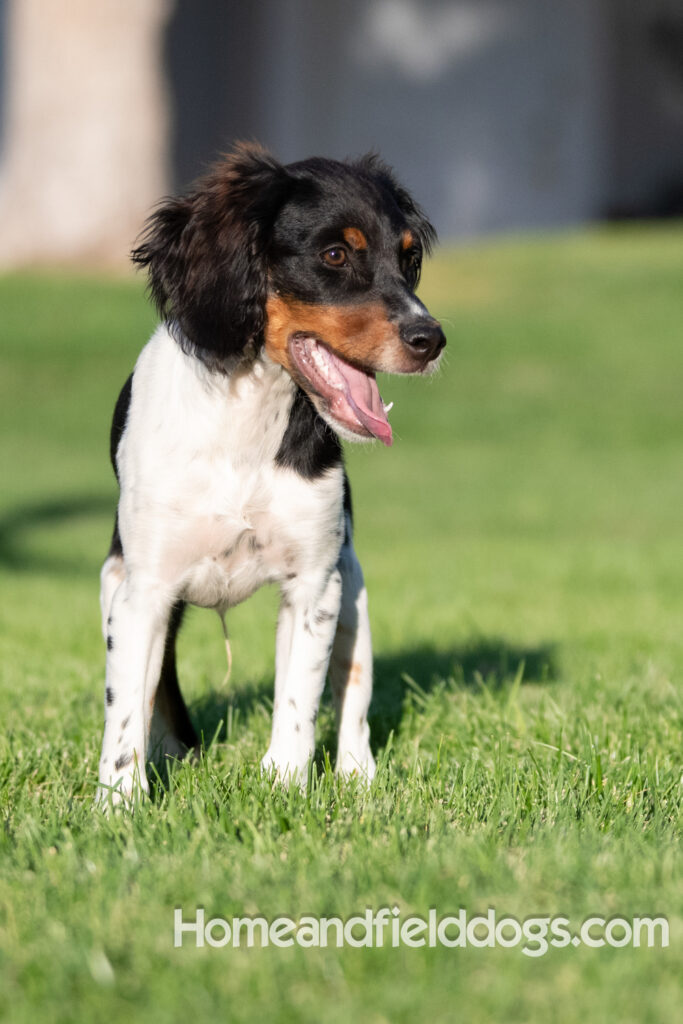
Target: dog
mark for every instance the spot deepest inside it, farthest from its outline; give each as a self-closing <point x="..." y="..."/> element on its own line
<point x="282" y="290"/>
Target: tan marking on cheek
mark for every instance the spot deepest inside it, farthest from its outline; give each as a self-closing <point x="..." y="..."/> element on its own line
<point x="361" y="334"/>
<point x="407" y="240"/>
<point x="355" y="238"/>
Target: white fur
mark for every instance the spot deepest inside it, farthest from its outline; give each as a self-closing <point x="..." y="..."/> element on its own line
<point x="206" y="516"/>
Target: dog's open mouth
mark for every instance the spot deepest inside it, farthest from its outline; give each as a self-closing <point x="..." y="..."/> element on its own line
<point x="351" y="394"/>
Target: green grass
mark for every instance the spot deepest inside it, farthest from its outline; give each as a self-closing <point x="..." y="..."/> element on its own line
<point x="523" y="548"/>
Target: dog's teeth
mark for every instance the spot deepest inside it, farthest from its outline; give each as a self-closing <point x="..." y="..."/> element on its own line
<point x="388" y="406"/>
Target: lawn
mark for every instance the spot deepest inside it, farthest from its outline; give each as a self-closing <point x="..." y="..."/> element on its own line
<point x="523" y="547"/>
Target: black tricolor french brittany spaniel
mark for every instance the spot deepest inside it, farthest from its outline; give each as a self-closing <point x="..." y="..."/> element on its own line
<point x="283" y="290"/>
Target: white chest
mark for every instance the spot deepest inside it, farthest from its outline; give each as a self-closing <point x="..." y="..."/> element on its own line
<point x="204" y="507"/>
<point x="276" y="536"/>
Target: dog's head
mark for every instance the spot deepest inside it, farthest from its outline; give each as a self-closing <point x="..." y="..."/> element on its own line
<point x="318" y="261"/>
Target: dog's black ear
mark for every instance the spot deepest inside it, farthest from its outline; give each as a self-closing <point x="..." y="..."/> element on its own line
<point x="206" y="254"/>
<point x="415" y="217"/>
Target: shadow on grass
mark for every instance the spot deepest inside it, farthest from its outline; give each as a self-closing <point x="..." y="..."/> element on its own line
<point x="494" y="662"/>
<point x="17" y="523"/>
<point x="490" y="660"/>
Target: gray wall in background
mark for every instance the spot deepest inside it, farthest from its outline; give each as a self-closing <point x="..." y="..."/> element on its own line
<point x="499" y="114"/>
<point x="491" y="110"/>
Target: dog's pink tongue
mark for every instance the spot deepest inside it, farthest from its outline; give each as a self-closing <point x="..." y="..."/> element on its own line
<point x="363" y="397"/>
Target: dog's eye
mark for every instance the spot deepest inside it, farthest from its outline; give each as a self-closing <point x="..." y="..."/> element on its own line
<point x="412" y="264"/>
<point x="335" y="257"/>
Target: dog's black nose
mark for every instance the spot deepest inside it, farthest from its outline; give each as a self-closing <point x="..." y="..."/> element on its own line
<point x="424" y="338"/>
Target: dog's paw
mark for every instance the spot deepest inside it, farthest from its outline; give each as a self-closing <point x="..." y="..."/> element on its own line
<point x="282" y="770"/>
<point x="120" y="789"/>
<point x="356" y="764"/>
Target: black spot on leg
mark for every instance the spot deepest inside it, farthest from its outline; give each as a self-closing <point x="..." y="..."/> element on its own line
<point x="125" y="722"/>
<point x="109" y="621"/>
<point x="254" y="544"/>
<point x="322" y="615"/>
<point x="123" y="760"/>
<point x="292" y="703"/>
<point x="109" y="696"/>
<point x="297" y="727"/>
<point x="110" y="643"/>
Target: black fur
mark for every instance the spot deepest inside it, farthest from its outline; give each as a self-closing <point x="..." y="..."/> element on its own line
<point x="327" y="195"/>
<point x="309" y="446"/>
<point x="119" y="421"/>
<point x="206" y="255"/>
<point x="169" y="700"/>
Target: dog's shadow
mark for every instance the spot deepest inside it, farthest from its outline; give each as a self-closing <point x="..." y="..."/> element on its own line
<point x="492" y="661"/>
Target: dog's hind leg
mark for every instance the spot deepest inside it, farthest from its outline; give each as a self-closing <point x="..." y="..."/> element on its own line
<point x="351" y="668"/>
<point x="172" y="733"/>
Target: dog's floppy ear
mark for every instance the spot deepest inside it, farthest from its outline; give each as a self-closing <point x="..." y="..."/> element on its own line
<point x="206" y="254"/>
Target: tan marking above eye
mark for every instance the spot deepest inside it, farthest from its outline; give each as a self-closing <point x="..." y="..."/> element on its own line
<point x="407" y="240"/>
<point x="355" y="238"/>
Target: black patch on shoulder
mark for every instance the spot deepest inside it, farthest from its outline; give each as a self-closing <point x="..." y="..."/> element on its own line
<point x="115" y="548"/>
<point x="109" y="696"/>
<point x="348" y="504"/>
<point x="348" y="512"/>
<point x="117" y="428"/>
<point x="119" y="421"/>
<point x="309" y="446"/>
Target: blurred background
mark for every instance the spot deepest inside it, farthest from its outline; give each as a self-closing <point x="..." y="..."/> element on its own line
<point x="501" y="115"/>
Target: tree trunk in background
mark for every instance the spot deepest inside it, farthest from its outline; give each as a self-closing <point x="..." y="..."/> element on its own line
<point x="85" y="151"/>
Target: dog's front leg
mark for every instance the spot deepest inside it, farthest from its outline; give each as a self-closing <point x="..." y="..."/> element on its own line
<point x="308" y="624"/>
<point x="136" y="631"/>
